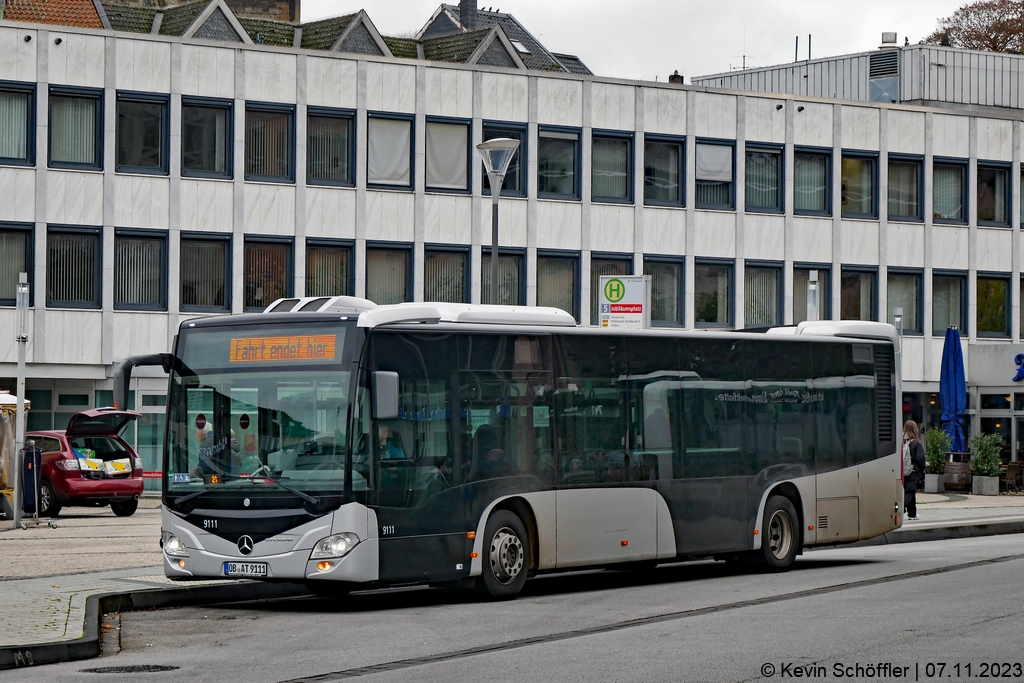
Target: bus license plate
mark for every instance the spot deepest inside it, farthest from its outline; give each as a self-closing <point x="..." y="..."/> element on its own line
<point x="245" y="569"/>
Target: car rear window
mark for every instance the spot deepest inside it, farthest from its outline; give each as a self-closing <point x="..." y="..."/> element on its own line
<point x="104" y="447"/>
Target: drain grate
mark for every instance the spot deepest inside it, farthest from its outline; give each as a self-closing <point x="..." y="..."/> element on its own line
<point x="133" y="669"/>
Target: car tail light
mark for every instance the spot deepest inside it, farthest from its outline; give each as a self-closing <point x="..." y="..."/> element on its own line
<point x="68" y="465"/>
<point x="137" y="462"/>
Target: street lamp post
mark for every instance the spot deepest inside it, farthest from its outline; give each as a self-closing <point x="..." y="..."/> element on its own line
<point x="19" y="417"/>
<point x="497" y="155"/>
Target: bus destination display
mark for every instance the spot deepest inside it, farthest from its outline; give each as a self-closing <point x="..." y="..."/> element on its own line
<point x="287" y="348"/>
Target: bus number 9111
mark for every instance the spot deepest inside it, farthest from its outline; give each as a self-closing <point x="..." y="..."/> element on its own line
<point x="387" y="530"/>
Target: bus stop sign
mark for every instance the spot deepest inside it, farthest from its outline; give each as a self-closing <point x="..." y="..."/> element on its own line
<point x="625" y="301"/>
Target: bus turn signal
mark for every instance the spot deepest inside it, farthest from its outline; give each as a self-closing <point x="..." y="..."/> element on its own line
<point x="471" y="535"/>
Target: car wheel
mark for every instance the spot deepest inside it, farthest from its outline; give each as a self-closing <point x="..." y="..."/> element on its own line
<point x="48" y="505"/>
<point x="506" y="556"/>
<point x="125" y="509"/>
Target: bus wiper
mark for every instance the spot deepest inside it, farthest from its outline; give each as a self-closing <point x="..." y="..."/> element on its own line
<point x="264" y="470"/>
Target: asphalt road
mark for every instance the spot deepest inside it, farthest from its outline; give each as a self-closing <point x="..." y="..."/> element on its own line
<point x="916" y="605"/>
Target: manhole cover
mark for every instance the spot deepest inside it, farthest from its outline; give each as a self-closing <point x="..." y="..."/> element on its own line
<point x="133" y="669"/>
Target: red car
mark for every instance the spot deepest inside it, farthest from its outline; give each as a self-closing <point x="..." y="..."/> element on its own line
<point x="90" y="464"/>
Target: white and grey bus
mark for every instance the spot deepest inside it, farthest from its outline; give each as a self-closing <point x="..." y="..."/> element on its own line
<point x="346" y="445"/>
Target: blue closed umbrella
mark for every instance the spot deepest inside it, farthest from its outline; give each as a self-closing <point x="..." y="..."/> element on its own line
<point x="953" y="389"/>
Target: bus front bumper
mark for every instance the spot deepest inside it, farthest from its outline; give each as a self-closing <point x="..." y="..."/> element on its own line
<point x="358" y="566"/>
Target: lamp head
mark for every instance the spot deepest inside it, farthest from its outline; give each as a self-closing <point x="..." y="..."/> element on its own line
<point x="497" y="155"/>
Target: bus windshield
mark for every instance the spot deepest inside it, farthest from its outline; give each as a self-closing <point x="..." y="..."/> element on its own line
<point x="252" y="407"/>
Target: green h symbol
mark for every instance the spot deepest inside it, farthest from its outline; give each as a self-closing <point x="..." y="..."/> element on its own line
<point x="614" y="290"/>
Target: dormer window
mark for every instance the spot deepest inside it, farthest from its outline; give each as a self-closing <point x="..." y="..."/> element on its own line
<point x="520" y="48"/>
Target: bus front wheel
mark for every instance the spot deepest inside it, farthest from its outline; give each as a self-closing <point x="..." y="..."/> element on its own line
<point x="506" y="556"/>
<point x="779" y="539"/>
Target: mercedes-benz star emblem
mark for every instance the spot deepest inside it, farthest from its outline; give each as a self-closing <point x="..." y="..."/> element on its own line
<point x="245" y="545"/>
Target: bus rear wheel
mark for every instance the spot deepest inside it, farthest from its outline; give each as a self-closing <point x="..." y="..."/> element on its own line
<point x="780" y="533"/>
<point x="506" y="553"/>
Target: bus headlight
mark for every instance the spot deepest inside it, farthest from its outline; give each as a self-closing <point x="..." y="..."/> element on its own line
<point x="337" y="545"/>
<point x="174" y="547"/>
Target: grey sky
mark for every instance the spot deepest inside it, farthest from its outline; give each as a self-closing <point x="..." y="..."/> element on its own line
<point x="644" y="38"/>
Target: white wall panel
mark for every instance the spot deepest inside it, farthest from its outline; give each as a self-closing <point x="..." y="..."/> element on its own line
<point x="74" y="198"/>
<point x="611" y="228"/>
<point x="765" y="123"/>
<point x="390" y="216"/>
<point x="950" y="135"/>
<point x="764" y="237"/>
<point x="715" y="115"/>
<point x="613" y="106"/>
<point x="269" y="77"/>
<point x="906" y="131"/>
<point x="906" y="244"/>
<point x="715" y="234"/>
<point x="559" y="225"/>
<point x="17" y="194"/>
<point x="559" y="102"/>
<point x="812" y="240"/>
<point x="141" y="201"/>
<point x="512" y="216"/>
<point x="912" y="359"/>
<point x="665" y="111"/>
<point x="17" y="58"/>
<point x="138" y="333"/>
<point x="449" y="93"/>
<point x="859" y="242"/>
<point x="207" y="205"/>
<point x="269" y="209"/>
<point x="330" y="212"/>
<point x="860" y="127"/>
<point x="449" y="219"/>
<point x="74" y="336"/>
<point x="995" y="139"/>
<point x="995" y="249"/>
<point x="390" y="87"/>
<point x="143" y="65"/>
<point x="665" y="231"/>
<point x="8" y="321"/>
<point x="331" y="82"/>
<point x="207" y="71"/>
<point x="505" y="97"/>
<point x="949" y="247"/>
<point x="78" y="60"/>
<point x="813" y="125"/>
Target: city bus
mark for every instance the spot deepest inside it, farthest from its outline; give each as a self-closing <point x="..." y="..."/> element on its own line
<point x="346" y="445"/>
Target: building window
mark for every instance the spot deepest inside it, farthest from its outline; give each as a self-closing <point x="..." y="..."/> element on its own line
<point x="905" y="189"/>
<point x="993" y="194"/>
<point x="76" y="128"/>
<point x="621" y="265"/>
<point x="558" y="282"/>
<point x="558" y="161"/>
<point x="270" y="143"/>
<point x="446" y="275"/>
<point x="664" y="161"/>
<point x="802" y="291"/>
<point x="388" y="278"/>
<point x="142" y="137"/>
<point x="330" y="148"/>
<point x="904" y="291"/>
<point x="206" y="134"/>
<point x="510" y="278"/>
<point x="993" y="306"/>
<point x="15" y="258"/>
<point x="515" y="177"/>
<point x="949" y="303"/>
<point x="268" y="272"/>
<point x="715" y="173"/>
<point x="140" y="270"/>
<point x="949" y="200"/>
<point x="17" y="134"/>
<point x="859" y="181"/>
<point x="389" y="151"/>
<point x="857" y="295"/>
<point x="611" y="167"/>
<point x="205" y="273"/>
<point x="764" y="179"/>
<point x="328" y="269"/>
<point x="712" y="297"/>
<point x="73" y="268"/>
<point x="762" y="296"/>
<point x="812" y="184"/>
<point x="666" y="291"/>
<point x="447" y="163"/>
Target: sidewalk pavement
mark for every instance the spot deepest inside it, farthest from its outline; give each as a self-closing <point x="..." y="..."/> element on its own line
<point x="52" y="581"/>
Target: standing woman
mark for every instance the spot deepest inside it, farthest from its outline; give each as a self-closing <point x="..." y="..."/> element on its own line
<point x="912" y="439"/>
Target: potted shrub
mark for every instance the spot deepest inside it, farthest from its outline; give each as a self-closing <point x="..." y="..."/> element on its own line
<point x="985" y="463"/>
<point x="936" y="446"/>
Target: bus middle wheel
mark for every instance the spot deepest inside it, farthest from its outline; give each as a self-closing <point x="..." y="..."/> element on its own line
<point x="506" y="556"/>
<point x="780" y="530"/>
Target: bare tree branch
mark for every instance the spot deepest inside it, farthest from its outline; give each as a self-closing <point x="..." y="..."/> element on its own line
<point x="992" y="25"/>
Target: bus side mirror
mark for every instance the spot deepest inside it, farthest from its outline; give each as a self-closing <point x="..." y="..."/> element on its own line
<point x="385" y="395"/>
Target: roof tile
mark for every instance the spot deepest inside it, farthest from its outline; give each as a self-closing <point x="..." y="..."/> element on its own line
<point x="269" y="32"/>
<point x="455" y="47"/>
<point x="80" y="13"/>
<point x="323" y="34"/>
<point x="178" y="19"/>
<point x="131" y="19"/>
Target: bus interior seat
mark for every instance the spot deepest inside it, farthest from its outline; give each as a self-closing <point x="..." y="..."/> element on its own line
<point x="279" y="461"/>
